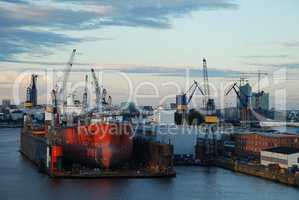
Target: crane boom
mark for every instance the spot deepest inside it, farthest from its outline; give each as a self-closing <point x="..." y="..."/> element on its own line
<point x="85" y="104"/>
<point x="97" y="90"/>
<point x="238" y="93"/>
<point x="193" y="88"/>
<point x="206" y="79"/>
<point x="62" y="93"/>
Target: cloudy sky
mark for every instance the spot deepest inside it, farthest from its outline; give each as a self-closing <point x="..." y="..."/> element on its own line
<point x="145" y="35"/>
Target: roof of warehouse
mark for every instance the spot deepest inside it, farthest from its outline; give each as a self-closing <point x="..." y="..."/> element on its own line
<point x="283" y="150"/>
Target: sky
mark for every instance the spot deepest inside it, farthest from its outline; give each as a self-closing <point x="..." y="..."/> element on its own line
<point x="142" y="37"/>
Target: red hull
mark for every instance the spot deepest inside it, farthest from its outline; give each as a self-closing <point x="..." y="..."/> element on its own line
<point x="103" y="144"/>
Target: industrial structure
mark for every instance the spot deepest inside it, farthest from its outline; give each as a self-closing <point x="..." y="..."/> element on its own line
<point x="77" y="141"/>
<point x="251" y="144"/>
<point x="31" y="95"/>
<point x="284" y="157"/>
<point x="205" y="147"/>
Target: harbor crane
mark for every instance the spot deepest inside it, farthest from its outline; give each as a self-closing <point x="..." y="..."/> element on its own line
<point x="97" y="91"/>
<point x="60" y="92"/>
<point x="195" y="86"/>
<point x="31" y="96"/>
<point x="183" y="100"/>
<point x="85" y="95"/>
<point x="244" y="101"/>
<point x="209" y="103"/>
<point x="236" y="88"/>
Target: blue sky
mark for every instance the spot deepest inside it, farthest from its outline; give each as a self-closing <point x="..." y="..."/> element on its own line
<point x="232" y="34"/>
<point x="146" y="35"/>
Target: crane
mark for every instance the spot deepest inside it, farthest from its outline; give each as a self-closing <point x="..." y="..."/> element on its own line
<point x="236" y="88"/>
<point x="31" y="98"/>
<point x="97" y="91"/>
<point x="205" y="79"/>
<point x="84" y="100"/>
<point x="209" y="103"/>
<point x="259" y="74"/>
<point x="195" y="86"/>
<point x="61" y="92"/>
<point x="244" y="101"/>
<point x="259" y="93"/>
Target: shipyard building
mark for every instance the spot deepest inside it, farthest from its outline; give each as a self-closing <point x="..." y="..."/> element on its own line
<point x="285" y="157"/>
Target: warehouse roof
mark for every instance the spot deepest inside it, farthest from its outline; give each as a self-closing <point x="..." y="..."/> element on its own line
<point x="283" y="150"/>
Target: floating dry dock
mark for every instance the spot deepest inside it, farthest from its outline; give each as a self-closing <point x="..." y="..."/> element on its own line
<point x="45" y="148"/>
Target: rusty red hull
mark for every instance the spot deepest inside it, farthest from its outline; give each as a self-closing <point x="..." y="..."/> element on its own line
<point x="104" y="144"/>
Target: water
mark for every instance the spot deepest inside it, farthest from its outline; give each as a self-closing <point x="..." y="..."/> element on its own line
<point x="20" y="180"/>
<point x="294" y="130"/>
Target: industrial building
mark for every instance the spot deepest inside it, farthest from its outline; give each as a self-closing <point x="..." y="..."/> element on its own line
<point x="164" y="116"/>
<point x="254" y="143"/>
<point x="6" y="102"/>
<point x="260" y="101"/>
<point x="183" y="139"/>
<point x="285" y="157"/>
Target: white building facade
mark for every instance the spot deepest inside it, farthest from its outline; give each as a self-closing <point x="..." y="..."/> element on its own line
<point x="285" y="157"/>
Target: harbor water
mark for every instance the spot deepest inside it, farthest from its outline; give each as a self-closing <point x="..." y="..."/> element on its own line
<point x="19" y="179"/>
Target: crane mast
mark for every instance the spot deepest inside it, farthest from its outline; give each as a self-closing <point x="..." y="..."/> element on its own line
<point x="206" y="87"/>
<point x="97" y="91"/>
<point x="84" y="101"/>
<point x="208" y="103"/>
<point x="61" y="92"/>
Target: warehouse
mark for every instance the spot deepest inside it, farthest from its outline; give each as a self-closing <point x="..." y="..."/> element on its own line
<point x="254" y="143"/>
<point x="285" y="157"/>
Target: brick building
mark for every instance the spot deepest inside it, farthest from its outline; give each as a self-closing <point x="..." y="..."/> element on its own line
<point x="254" y="143"/>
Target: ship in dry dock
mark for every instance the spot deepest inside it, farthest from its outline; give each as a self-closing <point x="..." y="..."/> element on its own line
<point x="77" y="141"/>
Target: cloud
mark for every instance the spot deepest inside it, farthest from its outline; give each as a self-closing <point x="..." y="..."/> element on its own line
<point x="176" y="71"/>
<point x="265" y="56"/>
<point x="20" y="41"/>
<point x="290" y="65"/>
<point x="29" y="25"/>
<point x="128" y="69"/>
<point x="291" y="44"/>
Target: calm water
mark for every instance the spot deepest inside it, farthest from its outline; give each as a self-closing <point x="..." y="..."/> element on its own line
<point x="20" y="180"/>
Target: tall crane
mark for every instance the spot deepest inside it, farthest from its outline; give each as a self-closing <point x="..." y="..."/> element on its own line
<point x="97" y="91"/>
<point x="259" y="75"/>
<point x="61" y="92"/>
<point x="206" y="87"/>
<point x="85" y="97"/>
<point x="209" y="103"/>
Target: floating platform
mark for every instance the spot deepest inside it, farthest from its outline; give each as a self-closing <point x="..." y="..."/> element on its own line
<point x="149" y="160"/>
<point x="115" y="174"/>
